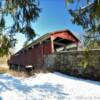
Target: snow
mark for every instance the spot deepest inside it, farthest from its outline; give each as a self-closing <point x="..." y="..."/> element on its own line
<point x="48" y="86"/>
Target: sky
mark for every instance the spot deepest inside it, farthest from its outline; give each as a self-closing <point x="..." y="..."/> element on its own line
<point x="54" y="16"/>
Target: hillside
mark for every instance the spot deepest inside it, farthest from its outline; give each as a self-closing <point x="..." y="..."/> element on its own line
<point x="48" y="86"/>
<point x="3" y="61"/>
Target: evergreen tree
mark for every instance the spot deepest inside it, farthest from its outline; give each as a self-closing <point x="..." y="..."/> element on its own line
<point x="87" y="16"/>
<point x="22" y="14"/>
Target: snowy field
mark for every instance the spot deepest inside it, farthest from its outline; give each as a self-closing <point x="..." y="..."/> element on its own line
<point x="49" y="86"/>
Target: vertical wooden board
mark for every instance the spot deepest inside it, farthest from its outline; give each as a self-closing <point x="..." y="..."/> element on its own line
<point x="47" y="49"/>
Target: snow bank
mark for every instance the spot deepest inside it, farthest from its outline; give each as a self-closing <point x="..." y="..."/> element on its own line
<point x="49" y="86"/>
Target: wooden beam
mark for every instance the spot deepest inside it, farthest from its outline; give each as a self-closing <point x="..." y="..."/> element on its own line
<point x="52" y="44"/>
<point x="58" y="43"/>
<point x="59" y="40"/>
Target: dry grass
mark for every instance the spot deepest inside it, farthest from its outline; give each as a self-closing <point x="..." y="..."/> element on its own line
<point x="18" y="74"/>
<point x="3" y="70"/>
<point x="22" y="73"/>
<point x="25" y="74"/>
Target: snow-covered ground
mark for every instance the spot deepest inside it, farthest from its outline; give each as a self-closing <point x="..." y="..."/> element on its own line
<point x="49" y="86"/>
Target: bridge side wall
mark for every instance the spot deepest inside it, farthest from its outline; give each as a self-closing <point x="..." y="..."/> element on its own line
<point x="79" y="63"/>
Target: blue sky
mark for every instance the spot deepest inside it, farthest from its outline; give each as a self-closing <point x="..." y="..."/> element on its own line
<point x="54" y="16"/>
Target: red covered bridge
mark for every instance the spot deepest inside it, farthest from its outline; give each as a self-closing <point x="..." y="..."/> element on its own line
<point x="34" y="53"/>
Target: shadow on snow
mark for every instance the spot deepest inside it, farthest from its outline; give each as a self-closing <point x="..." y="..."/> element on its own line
<point x="42" y="90"/>
<point x="77" y="79"/>
<point x="9" y="83"/>
<point x="48" y="89"/>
